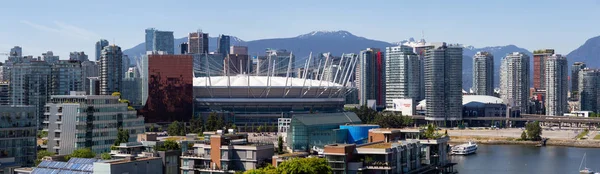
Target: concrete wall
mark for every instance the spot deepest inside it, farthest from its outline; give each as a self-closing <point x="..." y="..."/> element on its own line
<point x="153" y="166"/>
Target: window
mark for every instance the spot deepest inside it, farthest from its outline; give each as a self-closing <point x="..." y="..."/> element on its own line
<point x="249" y="154"/>
<point x="185" y="162"/>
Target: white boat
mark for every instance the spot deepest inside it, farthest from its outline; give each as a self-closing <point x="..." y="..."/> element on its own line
<point x="464" y="149"/>
<point x="585" y="170"/>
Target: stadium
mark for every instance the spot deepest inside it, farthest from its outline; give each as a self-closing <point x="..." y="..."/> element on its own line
<point x="253" y="99"/>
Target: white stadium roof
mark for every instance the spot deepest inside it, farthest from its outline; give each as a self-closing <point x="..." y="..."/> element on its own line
<point x="260" y="81"/>
<point x="472" y="100"/>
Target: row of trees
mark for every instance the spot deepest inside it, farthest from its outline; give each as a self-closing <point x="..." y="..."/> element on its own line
<point x="385" y="120"/>
<point x="296" y="165"/>
<point x="196" y="125"/>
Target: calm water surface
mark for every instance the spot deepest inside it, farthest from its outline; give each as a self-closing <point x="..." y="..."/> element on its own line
<point x="493" y="159"/>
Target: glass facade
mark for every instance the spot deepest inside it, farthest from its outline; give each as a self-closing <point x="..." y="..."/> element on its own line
<point x="170" y="86"/>
<point x="157" y="40"/>
<point x="304" y="134"/>
<point x="17" y="134"/>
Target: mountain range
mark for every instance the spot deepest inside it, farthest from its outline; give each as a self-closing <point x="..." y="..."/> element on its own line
<point x="338" y="42"/>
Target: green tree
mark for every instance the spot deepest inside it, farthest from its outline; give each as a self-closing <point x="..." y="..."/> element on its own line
<point x="259" y="129"/>
<point x="168" y="145"/>
<point x="534" y="131"/>
<point x="430" y="131"/>
<point x="175" y="129"/>
<point x="265" y="170"/>
<point x="196" y="125"/>
<point x="151" y="128"/>
<point x="304" y="165"/>
<point x="212" y="121"/>
<point x="280" y="145"/>
<point x="122" y="137"/>
<point x="105" y="156"/>
<point x="82" y="153"/>
<point x="366" y="114"/>
<point x="41" y="154"/>
<point x="523" y="136"/>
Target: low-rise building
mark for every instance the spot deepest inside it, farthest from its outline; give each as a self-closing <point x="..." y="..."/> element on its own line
<point x="308" y="131"/>
<point x="132" y="165"/>
<point x="390" y="151"/>
<point x="225" y="153"/>
<point x="87" y="121"/>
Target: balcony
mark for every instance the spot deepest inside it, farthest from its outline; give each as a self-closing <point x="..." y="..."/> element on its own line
<point x="192" y="155"/>
<point x="378" y="165"/>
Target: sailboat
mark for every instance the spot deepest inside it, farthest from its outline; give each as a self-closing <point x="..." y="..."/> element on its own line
<point x="585" y="170"/>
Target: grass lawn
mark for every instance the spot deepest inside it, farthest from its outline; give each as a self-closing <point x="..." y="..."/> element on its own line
<point x="597" y="137"/>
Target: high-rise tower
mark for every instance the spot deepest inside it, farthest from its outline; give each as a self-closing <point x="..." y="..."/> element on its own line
<point x="402" y="74"/>
<point x="111" y="70"/>
<point x="370" y="77"/>
<point x="483" y="73"/>
<point x="157" y="40"/>
<point x="99" y="46"/>
<point x="514" y="81"/>
<point x="443" y="82"/>
<point x="556" y="85"/>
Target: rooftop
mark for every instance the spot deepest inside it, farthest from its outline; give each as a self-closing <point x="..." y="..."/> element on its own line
<point x="377" y="146"/>
<point x="259" y="81"/>
<point x="391" y="130"/>
<point x="327" y="118"/>
<point x="122" y="161"/>
<point x="472" y="100"/>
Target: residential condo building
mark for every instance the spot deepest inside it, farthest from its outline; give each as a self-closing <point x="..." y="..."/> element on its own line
<point x="402" y="74"/>
<point x="18" y="128"/>
<point x="443" y="82"/>
<point x="99" y="46"/>
<point x="111" y="70"/>
<point x="370" y="78"/>
<point x="66" y="77"/>
<point x="577" y="66"/>
<point x="514" y="81"/>
<point x="539" y="68"/>
<point x="557" y="85"/>
<point x="30" y="85"/>
<point x="589" y="86"/>
<point x="87" y="121"/>
<point x="483" y="73"/>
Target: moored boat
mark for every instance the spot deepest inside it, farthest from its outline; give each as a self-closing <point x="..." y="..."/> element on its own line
<point x="464" y="149"/>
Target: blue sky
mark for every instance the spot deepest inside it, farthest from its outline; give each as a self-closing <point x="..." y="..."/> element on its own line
<point x="74" y="25"/>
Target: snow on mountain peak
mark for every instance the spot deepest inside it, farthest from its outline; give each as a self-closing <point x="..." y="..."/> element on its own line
<point x="340" y="33"/>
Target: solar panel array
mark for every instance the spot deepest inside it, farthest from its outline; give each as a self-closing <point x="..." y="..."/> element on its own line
<point x="73" y="166"/>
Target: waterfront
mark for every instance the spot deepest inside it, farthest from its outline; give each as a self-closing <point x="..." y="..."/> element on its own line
<point x="501" y="159"/>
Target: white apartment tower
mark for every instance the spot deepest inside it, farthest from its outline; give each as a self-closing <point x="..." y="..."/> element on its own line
<point x="514" y="81"/>
<point x="402" y="74"/>
<point x="557" y="85"/>
<point x="483" y="73"/>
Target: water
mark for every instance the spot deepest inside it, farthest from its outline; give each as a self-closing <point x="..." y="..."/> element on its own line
<point x="492" y="159"/>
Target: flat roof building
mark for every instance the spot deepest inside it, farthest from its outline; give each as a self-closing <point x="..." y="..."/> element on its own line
<point x="226" y="153"/>
<point x="87" y="121"/>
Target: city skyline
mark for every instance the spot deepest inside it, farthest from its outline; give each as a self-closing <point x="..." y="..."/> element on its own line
<point x="38" y="33"/>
